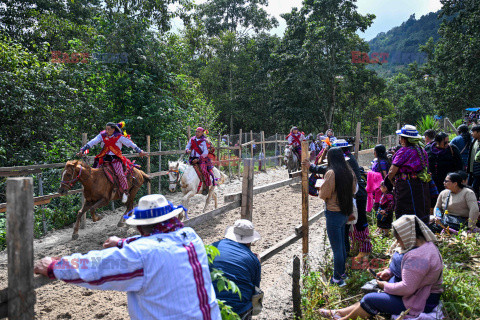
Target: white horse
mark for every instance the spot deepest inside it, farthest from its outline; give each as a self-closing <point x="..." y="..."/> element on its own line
<point x="185" y="174"/>
<point x="291" y="159"/>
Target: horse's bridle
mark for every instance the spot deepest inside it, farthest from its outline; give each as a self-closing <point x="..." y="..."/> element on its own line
<point x="178" y="174"/>
<point x="71" y="182"/>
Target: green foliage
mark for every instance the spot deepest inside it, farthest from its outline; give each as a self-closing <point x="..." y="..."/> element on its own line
<point x="222" y="284"/>
<point x="426" y="123"/>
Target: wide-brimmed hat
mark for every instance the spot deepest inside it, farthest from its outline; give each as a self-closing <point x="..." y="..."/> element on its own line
<point x="152" y="209"/>
<point x="341" y="143"/>
<point x="409" y="131"/>
<point x="242" y="232"/>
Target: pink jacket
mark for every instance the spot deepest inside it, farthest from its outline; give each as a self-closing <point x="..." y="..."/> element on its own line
<point x="421" y="272"/>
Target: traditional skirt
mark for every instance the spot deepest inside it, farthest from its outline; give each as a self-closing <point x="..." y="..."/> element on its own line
<point x="412" y="196"/>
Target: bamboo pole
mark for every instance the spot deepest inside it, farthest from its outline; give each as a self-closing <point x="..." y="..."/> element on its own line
<point x="239" y="152"/>
<point x="379" y="134"/>
<point x="357" y="140"/>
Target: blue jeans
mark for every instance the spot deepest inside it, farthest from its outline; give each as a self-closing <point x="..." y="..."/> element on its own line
<point x="382" y="302"/>
<point x="336" y="222"/>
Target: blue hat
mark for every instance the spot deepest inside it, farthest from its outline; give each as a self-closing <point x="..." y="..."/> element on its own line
<point x="409" y="131"/>
<point x="153" y="209"/>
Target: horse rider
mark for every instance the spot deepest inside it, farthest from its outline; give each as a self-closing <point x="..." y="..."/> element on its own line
<point x="198" y="150"/>
<point x="295" y="139"/>
<point x="112" y="140"/>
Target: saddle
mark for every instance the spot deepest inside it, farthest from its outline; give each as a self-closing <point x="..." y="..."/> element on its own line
<point x="112" y="177"/>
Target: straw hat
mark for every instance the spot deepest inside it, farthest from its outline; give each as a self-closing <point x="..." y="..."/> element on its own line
<point x="409" y="131"/>
<point x="242" y="232"/>
<point x="153" y="209"/>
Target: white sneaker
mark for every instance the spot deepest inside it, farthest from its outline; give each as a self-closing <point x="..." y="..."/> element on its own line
<point x="124" y="198"/>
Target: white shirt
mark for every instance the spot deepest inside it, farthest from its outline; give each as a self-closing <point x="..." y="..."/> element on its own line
<point x="123" y="141"/>
<point x="202" y="145"/>
<point x="293" y="142"/>
<point x="166" y="276"/>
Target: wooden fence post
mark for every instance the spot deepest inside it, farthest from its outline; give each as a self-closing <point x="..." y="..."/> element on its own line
<point x="389" y="142"/>
<point x="239" y="152"/>
<point x="263" y="165"/>
<point x="357" y="139"/>
<point x="149" y="184"/>
<point x="40" y="193"/>
<point x="229" y="158"/>
<point x="379" y="134"/>
<point x="251" y="147"/>
<point x="83" y="221"/>
<point x="305" y="155"/>
<point x="21" y="293"/>
<point x="277" y="151"/>
<point x="218" y="151"/>
<point x="159" y="166"/>
<point x="297" y="298"/>
<point x="247" y="189"/>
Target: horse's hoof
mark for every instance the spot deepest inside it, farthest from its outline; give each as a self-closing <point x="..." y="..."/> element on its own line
<point x="75" y="236"/>
<point x="121" y="224"/>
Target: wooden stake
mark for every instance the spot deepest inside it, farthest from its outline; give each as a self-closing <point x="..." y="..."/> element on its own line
<point x="21" y="293"/>
<point x="262" y="165"/>
<point x="218" y="151"/>
<point x="239" y="152"/>
<point x="83" y="221"/>
<point x="160" y="166"/>
<point x="305" y="155"/>
<point x="247" y="189"/>
<point x="251" y="146"/>
<point x="297" y="297"/>
<point x="379" y="134"/>
<point x="357" y="139"/>
<point x="149" y="184"/>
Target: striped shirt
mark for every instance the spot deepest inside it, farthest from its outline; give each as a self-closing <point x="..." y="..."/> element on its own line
<point x="165" y="275"/>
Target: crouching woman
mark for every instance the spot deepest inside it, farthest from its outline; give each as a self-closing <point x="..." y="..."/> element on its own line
<point x="415" y="286"/>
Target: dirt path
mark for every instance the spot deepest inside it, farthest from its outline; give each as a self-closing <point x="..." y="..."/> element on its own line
<point x="275" y="215"/>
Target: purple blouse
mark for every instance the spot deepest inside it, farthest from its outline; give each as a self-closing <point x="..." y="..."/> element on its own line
<point x="379" y="166"/>
<point x="408" y="160"/>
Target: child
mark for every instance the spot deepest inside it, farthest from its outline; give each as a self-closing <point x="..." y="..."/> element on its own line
<point x="385" y="211"/>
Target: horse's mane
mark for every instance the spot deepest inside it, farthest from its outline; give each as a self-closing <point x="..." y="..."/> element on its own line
<point x="83" y="164"/>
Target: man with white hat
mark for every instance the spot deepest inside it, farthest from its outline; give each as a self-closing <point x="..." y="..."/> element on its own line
<point x="240" y="265"/>
<point x="164" y="270"/>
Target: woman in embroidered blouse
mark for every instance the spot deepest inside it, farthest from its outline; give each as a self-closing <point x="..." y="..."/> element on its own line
<point x="409" y="173"/>
<point x="380" y="163"/>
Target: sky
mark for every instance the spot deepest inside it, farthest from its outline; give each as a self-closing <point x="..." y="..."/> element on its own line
<point x="389" y="13"/>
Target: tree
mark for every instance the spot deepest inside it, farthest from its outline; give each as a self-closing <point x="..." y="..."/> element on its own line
<point x="229" y="15"/>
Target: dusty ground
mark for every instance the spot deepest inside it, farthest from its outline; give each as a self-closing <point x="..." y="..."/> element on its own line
<point x="275" y="215"/>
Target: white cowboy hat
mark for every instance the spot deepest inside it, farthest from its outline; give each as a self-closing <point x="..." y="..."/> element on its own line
<point x="242" y="232"/>
<point x="153" y="209"/>
<point x="409" y="131"/>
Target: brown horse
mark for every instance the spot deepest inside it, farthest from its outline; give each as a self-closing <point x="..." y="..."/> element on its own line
<point x="97" y="189"/>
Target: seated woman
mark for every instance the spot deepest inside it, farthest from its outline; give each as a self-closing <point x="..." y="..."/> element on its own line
<point x="457" y="204"/>
<point x="411" y="282"/>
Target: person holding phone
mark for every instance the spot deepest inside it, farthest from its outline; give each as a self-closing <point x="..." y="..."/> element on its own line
<point x="412" y="281"/>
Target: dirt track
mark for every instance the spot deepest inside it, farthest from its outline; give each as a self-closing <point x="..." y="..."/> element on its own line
<point x="275" y="214"/>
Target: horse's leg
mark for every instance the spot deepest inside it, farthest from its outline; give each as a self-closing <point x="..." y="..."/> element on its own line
<point x="215" y="198"/>
<point x="208" y="198"/>
<point x="128" y="205"/>
<point x="187" y="197"/>
<point x="95" y="217"/>
<point x="86" y="206"/>
<point x="83" y="220"/>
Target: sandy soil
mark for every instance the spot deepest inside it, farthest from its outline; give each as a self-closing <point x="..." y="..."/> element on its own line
<point x="276" y="213"/>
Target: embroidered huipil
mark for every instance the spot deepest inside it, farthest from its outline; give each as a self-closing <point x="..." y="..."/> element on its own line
<point x="202" y="145"/>
<point x="166" y="275"/>
<point x="122" y="141"/>
<point x="408" y="161"/>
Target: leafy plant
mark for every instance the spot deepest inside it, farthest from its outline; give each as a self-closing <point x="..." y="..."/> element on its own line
<point x="426" y="123"/>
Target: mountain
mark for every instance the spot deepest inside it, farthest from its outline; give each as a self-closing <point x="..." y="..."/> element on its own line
<point x="402" y="43"/>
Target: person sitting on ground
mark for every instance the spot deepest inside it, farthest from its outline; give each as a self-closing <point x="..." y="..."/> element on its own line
<point x="198" y="149"/>
<point x="457" y="204"/>
<point x="463" y="142"/>
<point x="295" y="139"/>
<point x="337" y="190"/>
<point x="240" y="265"/>
<point x="164" y="270"/>
<point x="412" y="281"/>
<point x="429" y="136"/>
<point x="112" y="140"/>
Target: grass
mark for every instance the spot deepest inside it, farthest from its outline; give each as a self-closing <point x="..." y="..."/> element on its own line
<point x="461" y="279"/>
